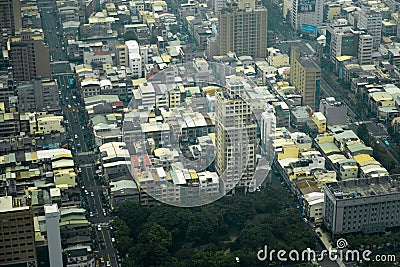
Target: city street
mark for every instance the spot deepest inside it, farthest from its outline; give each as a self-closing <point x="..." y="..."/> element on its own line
<point x="84" y="157"/>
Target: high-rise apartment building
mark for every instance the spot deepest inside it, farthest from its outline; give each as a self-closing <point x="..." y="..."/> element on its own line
<point x="371" y="21"/>
<point x="243" y="29"/>
<point x="52" y="216"/>
<point x="236" y="141"/>
<point x="365" y="47"/>
<point x="268" y="126"/>
<point x="307" y="12"/>
<point x="10" y="15"/>
<point x="17" y="234"/>
<point x="29" y="56"/>
<point x="305" y="74"/>
<point x="340" y="39"/>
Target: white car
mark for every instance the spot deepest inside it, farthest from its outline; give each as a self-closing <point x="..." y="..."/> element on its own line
<point x="76" y="136"/>
<point x="91" y="194"/>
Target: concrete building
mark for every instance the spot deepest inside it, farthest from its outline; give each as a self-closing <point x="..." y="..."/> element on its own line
<point x="10" y="17"/>
<point x="38" y="95"/>
<point x="320" y="120"/>
<point x="306" y="12"/>
<point x="134" y="58"/>
<point x="334" y="111"/>
<point x="29" y="56"/>
<point x="243" y="29"/>
<point x="7" y="88"/>
<point x="235" y="137"/>
<point x="365" y="47"/>
<point x="276" y="58"/>
<point x="17" y="235"/>
<point x="340" y="40"/>
<point x="371" y="21"/>
<point x="306" y="76"/>
<point x="362" y="205"/>
<point x="52" y="216"/>
<point x="268" y="125"/>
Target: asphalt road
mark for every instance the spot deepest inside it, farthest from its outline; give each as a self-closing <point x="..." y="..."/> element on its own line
<point x="73" y="111"/>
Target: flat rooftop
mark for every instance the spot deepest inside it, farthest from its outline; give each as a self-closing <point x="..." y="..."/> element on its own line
<point x="365" y="187"/>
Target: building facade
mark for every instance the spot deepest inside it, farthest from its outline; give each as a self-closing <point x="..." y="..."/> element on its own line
<point x="306" y="76"/>
<point x="362" y="205"/>
<point x="243" y="29"/>
<point x="17" y="234"/>
<point x="307" y="12"/>
<point x="29" y="56"/>
<point x="235" y="133"/>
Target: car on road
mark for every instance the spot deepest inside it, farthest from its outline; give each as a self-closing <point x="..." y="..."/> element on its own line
<point x="86" y="192"/>
<point x="108" y="264"/>
<point x="91" y="214"/>
<point x="91" y="194"/>
<point x="98" y="228"/>
<point x="76" y="136"/>
<point x="102" y="260"/>
<point x="113" y="239"/>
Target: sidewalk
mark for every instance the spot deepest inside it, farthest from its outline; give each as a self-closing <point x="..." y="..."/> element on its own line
<point x="325" y="239"/>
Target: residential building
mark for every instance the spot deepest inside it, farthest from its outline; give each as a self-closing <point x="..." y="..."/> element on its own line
<point x="306" y="76"/>
<point x="17" y="235"/>
<point x="362" y="205"/>
<point x="29" y="56"/>
<point x="134" y="58"/>
<point x="38" y="95"/>
<point x="340" y="40"/>
<point x="235" y="137"/>
<point x="243" y="29"/>
<point x="268" y="126"/>
<point x="10" y="16"/>
<point x="320" y="120"/>
<point x="334" y="111"/>
<point x="365" y="47"/>
<point x="371" y="21"/>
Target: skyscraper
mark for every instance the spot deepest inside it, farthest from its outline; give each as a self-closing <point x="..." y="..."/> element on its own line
<point x="305" y="74"/>
<point x="17" y="234"/>
<point x="29" y="56"/>
<point x="236" y="141"/>
<point x="243" y="29"/>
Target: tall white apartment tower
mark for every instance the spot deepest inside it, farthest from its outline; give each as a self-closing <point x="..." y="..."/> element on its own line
<point x="236" y="140"/>
<point x="52" y="216"/>
<point x="268" y="126"/>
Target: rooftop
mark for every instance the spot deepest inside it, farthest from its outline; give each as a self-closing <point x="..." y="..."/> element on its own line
<point x="355" y="188"/>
